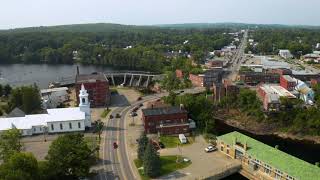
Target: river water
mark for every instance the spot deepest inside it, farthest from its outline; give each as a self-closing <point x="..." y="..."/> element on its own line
<point x="42" y="74"/>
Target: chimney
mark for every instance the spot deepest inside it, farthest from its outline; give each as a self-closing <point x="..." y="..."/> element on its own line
<point x="77" y="70"/>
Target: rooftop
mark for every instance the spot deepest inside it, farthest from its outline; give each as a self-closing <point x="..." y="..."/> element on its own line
<point x="276" y="89"/>
<point x="282" y="161"/>
<point x="84" y="78"/>
<point x="53" y="90"/>
<point x="163" y="111"/>
<point x="53" y="115"/>
<point x="289" y="78"/>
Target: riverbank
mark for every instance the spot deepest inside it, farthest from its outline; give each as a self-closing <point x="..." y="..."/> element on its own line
<point x="241" y="121"/>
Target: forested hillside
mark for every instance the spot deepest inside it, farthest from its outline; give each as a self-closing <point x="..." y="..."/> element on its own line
<point x="120" y="46"/>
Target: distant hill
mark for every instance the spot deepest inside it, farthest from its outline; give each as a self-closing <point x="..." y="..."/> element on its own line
<point x="109" y="27"/>
<point x="232" y="25"/>
<point x="98" y="27"/>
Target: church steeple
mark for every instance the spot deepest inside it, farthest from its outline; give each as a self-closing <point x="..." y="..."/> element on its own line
<point x="84" y="105"/>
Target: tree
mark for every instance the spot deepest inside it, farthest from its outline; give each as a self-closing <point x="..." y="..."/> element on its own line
<point x="69" y="156"/>
<point x="151" y="161"/>
<point x="26" y="97"/>
<point x="9" y="143"/>
<point x="99" y="128"/>
<point x="20" y="166"/>
<point x="7" y="90"/>
<point x="142" y="144"/>
<point x="1" y="90"/>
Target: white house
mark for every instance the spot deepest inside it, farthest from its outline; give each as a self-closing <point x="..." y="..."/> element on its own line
<point x="285" y="53"/>
<point x="305" y="92"/>
<point x="53" y="97"/>
<point x="54" y="121"/>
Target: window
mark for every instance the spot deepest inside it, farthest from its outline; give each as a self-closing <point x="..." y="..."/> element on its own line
<point x="40" y="128"/>
<point x="221" y="148"/>
<point x="34" y="129"/>
<point x="227" y="151"/>
<point x="52" y="128"/>
<point x="267" y="169"/>
<point x="289" y="178"/>
<point x="70" y="125"/>
<point x="83" y="100"/>
<point x="79" y="125"/>
<point x="61" y="126"/>
<point x="278" y="174"/>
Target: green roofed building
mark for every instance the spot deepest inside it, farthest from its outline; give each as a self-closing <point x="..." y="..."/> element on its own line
<point x="260" y="161"/>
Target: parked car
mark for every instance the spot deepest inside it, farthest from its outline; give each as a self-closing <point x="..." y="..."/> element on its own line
<point x="182" y="138"/>
<point x="115" y="145"/>
<point x="133" y="114"/>
<point x="210" y="149"/>
<point x="111" y="116"/>
<point x="139" y="98"/>
<point x="118" y="115"/>
<point x="141" y="105"/>
<point x="135" y="108"/>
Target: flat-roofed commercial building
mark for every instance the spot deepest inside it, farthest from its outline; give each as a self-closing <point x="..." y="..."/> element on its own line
<point x="260" y="161"/>
<point x="270" y="96"/>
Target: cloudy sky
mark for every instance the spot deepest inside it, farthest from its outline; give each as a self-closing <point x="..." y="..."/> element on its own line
<point x="26" y="13"/>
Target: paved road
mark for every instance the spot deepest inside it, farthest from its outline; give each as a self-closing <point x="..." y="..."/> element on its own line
<point x="238" y="58"/>
<point x="115" y="162"/>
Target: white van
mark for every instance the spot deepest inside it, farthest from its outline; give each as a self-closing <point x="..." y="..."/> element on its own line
<point x="182" y="138"/>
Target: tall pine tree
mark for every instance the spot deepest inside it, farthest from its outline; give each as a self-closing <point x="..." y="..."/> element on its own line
<point x="151" y="161"/>
<point x="143" y="142"/>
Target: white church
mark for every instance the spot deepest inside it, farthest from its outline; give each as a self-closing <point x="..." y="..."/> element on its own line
<point x="55" y="121"/>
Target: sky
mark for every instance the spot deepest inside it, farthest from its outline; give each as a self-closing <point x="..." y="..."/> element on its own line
<point x="27" y="13"/>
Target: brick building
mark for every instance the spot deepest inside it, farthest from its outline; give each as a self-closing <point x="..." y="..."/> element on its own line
<point x="97" y="86"/>
<point x="214" y="63"/>
<point x="222" y="90"/>
<point x="270" y="96"/>
<point x="179" y="73"/>
<point x="253" y="78"/>
<point x="280" y="71"/>
<point x="287" y="82"/>
<point x="166" y="120"/>
<point x="314" y="82"/>
<point x="196" y="79"/>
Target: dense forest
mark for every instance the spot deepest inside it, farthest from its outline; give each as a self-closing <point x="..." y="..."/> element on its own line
<point x="120" y="46"/>
<point x="299" y="41"/>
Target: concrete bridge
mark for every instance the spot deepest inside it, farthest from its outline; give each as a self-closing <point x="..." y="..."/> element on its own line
<point x="131" y="79"/>
<point x="115" y="78"/>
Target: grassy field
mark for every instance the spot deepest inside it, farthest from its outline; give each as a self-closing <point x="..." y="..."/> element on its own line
<point x="173" y="141"/>
<point x="168" y="165"/>
<point x="105" y="113"/>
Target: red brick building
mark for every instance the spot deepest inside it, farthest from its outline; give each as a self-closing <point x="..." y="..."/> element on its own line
<point x="280" y="71"/>
<point x="287" y="82"/>
<point x="179" y="73"/>
<point x="214" y="63"/>
<point x="197" y="80"/>
<point x="253" y="78"/>
<point x="97" y="86"/>
<point x="166" y="120"/>
<point x="226" y="89"/>
<point x="315" y="81"/>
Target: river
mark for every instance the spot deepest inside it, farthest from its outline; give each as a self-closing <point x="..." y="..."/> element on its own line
<point x="42" y="74"/>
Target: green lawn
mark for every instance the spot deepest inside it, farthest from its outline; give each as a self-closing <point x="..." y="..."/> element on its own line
<point x="168" y="165"/>
<point x="173" y="141"/>
<point x="105" y="113"/>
